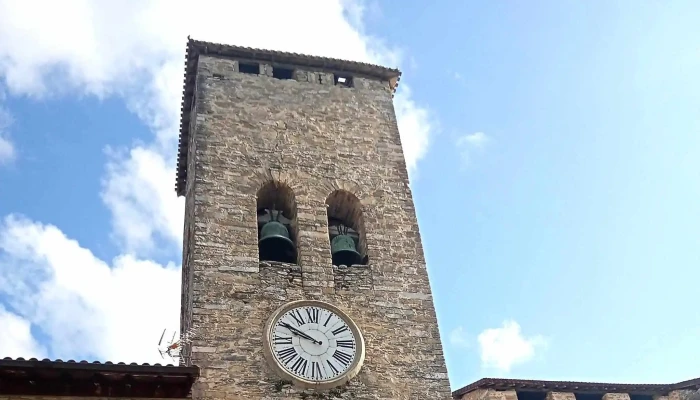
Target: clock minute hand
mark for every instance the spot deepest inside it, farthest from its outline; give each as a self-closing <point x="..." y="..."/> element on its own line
<point x="301" y="334"/>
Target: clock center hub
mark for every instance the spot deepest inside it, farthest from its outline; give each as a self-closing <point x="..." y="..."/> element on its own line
<point x="312" y="348"/>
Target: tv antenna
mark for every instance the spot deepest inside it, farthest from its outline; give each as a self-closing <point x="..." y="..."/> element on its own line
<point x="173" y="347"/>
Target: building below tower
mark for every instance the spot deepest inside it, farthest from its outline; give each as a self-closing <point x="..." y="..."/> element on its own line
<point x="521" y="389"/>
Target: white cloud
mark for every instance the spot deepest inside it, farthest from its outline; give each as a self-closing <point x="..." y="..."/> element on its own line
<point x="7" y="149"/>
<point x="477" y="139"/>
<point x="459" y="338"/>
<point x="414" y="128"/>
<point x="15" y="337"/>
<point x="139" y="190"/>
<point x="87" y="308"/>
<point x="504" y="347"/>
<point x="467" y="144"/>
<point x="135" y="49"/>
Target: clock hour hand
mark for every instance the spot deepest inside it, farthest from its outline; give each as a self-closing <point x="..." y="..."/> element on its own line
<point x="300" y="333"/>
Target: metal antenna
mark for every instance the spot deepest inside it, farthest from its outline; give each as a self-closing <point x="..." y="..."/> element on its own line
<point x="172" y="349"/>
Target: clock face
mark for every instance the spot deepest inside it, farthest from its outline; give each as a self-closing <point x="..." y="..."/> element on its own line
<point x="314" y="342"/>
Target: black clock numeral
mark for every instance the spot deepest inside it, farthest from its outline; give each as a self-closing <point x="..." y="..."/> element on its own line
<point x="335" y="370"/>
<point x="287" y="354"/>
<point x="327" y="319"/>
<point x="299" y="366"/>
<point x="283" y="340"/>
<point x="297" y="317"/>
<point x="348" y="344"/>
<point x="342" y="358"/>
<point x="313" y="314"/>
<point x="316" y="370"/>
<point x="340" y="330"/>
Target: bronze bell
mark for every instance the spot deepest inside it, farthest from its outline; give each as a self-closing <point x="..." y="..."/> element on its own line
<point x="344" y="252"/>
<point x="275" y="243"/>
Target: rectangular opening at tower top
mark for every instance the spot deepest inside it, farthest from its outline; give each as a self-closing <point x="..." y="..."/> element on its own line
<point x="249" y="68"/>
<point x="282" y="73"/>
<point x="343" y="80"/>
<point x="531" y="395"/>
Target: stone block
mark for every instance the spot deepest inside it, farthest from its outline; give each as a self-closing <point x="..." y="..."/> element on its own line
<point x="616" y="396"/>
<point x="560" y="396"/>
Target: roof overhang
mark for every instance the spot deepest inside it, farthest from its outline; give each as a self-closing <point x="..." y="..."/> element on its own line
<point x="32" y="377"/>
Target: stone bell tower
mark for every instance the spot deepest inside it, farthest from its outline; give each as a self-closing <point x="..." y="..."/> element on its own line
<point x="303" y="268"/>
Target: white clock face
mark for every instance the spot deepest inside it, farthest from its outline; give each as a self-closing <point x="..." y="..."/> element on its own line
<point x="313" y="343"/>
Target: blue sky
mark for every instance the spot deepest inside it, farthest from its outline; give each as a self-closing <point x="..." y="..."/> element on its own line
<point x="555" y="162"/>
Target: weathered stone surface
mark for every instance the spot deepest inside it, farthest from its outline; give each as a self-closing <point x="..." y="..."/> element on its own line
<point x="683" y="395"/>
<point x="352" y="279"/>
<point x="490" y="394"/>
<point x="316" y="138"/>
<point x="616" y="396"/>
<point x="560" y="396"/>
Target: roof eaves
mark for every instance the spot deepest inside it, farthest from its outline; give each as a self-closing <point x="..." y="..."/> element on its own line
<point x="46" y="377"/>
<point x="298" y="59"/>
<point x="505" y="384"/>
<point x="692" y="384"/>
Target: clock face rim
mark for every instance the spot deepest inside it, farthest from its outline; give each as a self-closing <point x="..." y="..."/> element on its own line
<point x="348" y="374"/>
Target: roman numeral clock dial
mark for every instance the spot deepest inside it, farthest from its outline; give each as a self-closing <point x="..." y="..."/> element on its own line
<point x="313" y="344"/>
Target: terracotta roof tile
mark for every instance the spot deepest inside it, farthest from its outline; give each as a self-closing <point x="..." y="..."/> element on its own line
<point x="58" y="361"/>
<point x="33" y="377"/>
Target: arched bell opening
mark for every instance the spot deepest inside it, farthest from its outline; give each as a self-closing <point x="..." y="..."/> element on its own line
<point x="346" y="229"/>
<point x="277" y="227"/>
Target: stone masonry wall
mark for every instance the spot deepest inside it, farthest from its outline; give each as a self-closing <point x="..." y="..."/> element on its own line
<point x="490" y="394"/>
<point x="315" y="137"/>
<point x="684" y="395"/>
<point x="560" y="396"/>
<point x="352" y="279"/>
<point x="616" y="396"/>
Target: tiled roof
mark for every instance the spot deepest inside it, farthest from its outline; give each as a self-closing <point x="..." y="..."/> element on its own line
<point x="46" y="377"/>
<point x="195" y="47"/>
<point x="82" y="362"/>
<point x="570" y="386"/>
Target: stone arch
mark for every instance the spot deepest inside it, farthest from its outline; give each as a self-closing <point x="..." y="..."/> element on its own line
<point x="327" y="185"/>
<point x="344" y="212"/>
<point x="276" y="203"/>
<point x="294" y="180"/>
